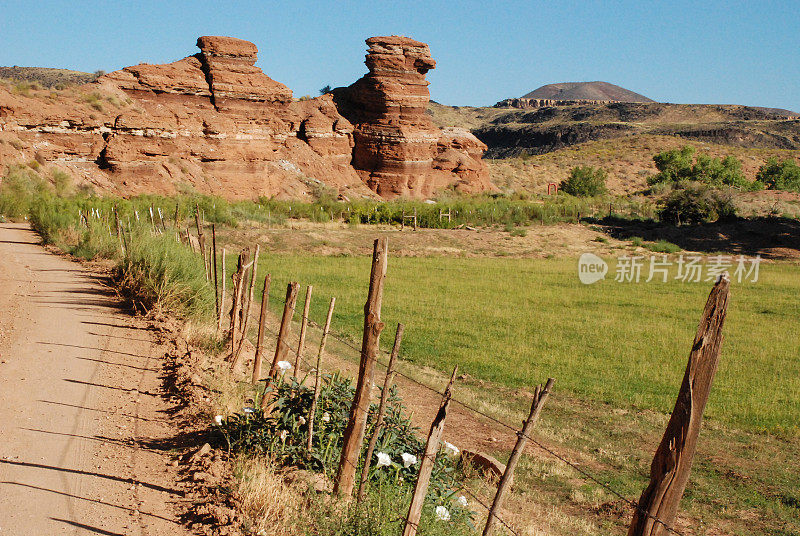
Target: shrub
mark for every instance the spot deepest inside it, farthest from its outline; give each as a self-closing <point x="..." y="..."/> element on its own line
<point x="585" y="181"/>
<point x="697" y="203"/>
<point x="662" y="246"/>
<point x="678" y="165"/>
<point x="783" y="175"/>
<point x="673" y="165"/>
<point x="282" y="435"/>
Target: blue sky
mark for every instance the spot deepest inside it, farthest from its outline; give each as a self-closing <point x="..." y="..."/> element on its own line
<point x="677" y="51"/>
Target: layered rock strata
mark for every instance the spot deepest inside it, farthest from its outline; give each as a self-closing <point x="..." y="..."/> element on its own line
<point x="398" y="150"/>
<point x="215" y="123"/>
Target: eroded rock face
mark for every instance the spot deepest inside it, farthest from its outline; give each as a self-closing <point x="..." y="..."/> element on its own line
<point x="214" y="122"/>
<point x="398" y="150"/>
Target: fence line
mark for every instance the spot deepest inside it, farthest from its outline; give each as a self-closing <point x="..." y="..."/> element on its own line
<point x="631" y="503"/>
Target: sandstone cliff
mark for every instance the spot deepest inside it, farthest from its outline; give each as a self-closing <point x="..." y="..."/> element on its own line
<point x="215" y="123"/>
<point x="398" y="149"/>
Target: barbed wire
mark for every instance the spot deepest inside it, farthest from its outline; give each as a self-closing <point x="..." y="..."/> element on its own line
<point x="631" y="503"/>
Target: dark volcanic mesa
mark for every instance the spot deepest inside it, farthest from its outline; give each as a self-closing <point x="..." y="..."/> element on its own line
<point x="215" y="123"/>
<point x="597" y="91"/>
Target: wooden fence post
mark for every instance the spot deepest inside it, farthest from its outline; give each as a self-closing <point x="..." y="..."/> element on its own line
<point x="387" y="382"/>
<point x="262" y="319"/>
<point x="246" y="310"/>
<point x="428" y="458"/>
<point x="669" y="472"/>
<point x="201" y="239"/>
<point x="318" y="378"/>
<point x="222" y="294"/>
<point x="236" y="295"/>
<point x="282" y="346"/>
<point x="303" y="325"/>
<point x="249" y="298"/>
<point x="354" y="433"/>
<point x="539" y="398"/>
<point x="214" y="260"/>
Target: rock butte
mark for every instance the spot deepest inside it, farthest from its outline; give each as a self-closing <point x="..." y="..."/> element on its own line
<point x="215" y="123"/>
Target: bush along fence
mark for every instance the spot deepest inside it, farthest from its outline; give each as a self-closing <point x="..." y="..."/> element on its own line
<point x="653" y="515"/>
<point x="325" y="426"/>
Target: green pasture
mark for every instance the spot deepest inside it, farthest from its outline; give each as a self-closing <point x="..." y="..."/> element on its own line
<point x="518" y="321"/>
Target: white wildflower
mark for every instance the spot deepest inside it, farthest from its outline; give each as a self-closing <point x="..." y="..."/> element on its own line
<point x="442" y="513"/>
<point x="284" y="435"/>
<point x="248" y="410"/>
<point x="326" y="417"/>
<point x="301" y="421"/>
<point x="451" y="449"/>
<point x="218" y="420"/>
<point x="462" y="501"/>
<point x="384" y="459"/>
<point x="284" y="365"/>
<point x="408" y="460"/>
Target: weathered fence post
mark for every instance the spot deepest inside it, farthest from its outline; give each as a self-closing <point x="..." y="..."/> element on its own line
<point x="246" y="309"/>
<point x="669" y="472"/>
<point x="318" y="377"/>
<point x="249" y="298"/>
<point x="387" y="382"/>
<point x="214" y="259"/>
<point x="236" y="297"/>
<point x="262" y="319"/>
<point x="201" y="238"/>
<point x="222" y="294"/>
<point x="428" y="458"/>
<point x="282" y="346"/>
<point x="303" y="325"/>
<point x="539" y="398"/>
<point x="354" y="433"/>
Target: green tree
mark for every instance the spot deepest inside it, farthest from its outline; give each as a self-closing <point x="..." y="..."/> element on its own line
<point x="673" y="165"/>
<point x="783" y="175"/>
<point x="325" y="90"/>
<point x="678" y="165"/>
<point x="585" y="181"/>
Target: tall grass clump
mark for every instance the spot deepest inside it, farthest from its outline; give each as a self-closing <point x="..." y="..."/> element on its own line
<point x="18" y="188"/>
<point x="164" y="275"/>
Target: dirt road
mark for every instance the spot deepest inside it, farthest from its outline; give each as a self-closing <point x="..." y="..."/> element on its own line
<point x="80" y="406"/>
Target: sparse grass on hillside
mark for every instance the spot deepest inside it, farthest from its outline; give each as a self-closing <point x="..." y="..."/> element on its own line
<point x="628" y="161"/>
<point x="46" y="77"/>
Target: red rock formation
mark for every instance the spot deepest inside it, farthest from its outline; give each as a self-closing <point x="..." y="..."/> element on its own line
<point x="215" y="123"/>
<point x="398" y="149"/>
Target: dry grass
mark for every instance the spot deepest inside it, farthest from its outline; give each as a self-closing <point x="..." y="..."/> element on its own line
<point x="269" y="504"/>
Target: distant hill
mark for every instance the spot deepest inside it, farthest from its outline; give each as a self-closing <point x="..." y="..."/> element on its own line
<point x="601" y="91"/>
<point x="47" y="77"/>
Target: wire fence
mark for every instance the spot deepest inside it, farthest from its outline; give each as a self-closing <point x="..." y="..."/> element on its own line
<point x="469" y="407"/>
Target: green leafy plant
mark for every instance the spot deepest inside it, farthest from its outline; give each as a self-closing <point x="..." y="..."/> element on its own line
<point x="784" y="175"/>
<point x="678" y="165"/>
<point x="585" y="181"/>
<point x="282" y="434"/>
<point x="697" y="203"/>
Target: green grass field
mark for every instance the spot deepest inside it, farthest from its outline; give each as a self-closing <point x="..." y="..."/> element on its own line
<point x="518" y="321"/>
